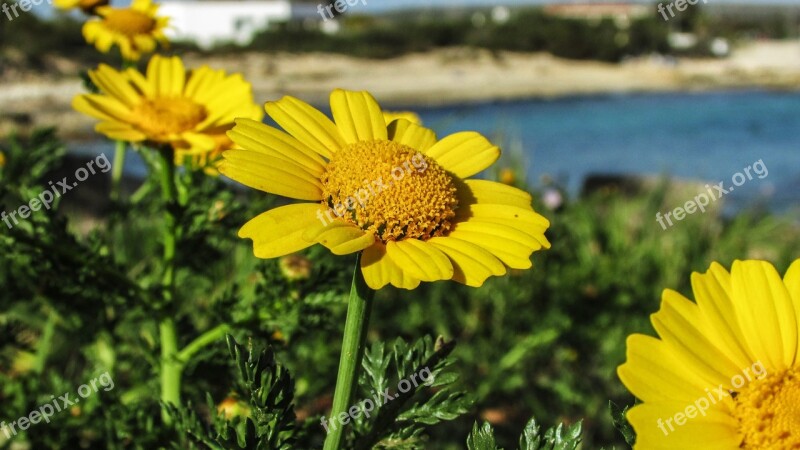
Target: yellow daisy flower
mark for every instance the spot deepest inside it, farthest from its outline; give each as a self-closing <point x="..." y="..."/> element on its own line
<point x="191" y="112"/>
<point x="87" y="6"/>
<point x="135" y="30"/>
<point x="725" y="374"/>
<point x="391" y="116"/>
<point x="394" y="192"/>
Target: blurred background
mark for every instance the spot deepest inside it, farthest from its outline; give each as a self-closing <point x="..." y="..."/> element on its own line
<point x="607" y="112"/>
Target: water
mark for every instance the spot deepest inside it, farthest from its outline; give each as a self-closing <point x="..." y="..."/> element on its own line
<point x="705" y="136"/>
<point x="699" y="136"/>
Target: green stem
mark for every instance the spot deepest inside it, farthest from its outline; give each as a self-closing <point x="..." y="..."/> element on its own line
<point x="171" y="367"/>
<point x="203" y="340"/>
<point x="118" y="169"/>
<point x="359" y="308"/>
<point x="45" y="342"/>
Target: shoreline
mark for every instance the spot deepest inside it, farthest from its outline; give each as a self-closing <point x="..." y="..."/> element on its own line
<point x="447" y="77"/>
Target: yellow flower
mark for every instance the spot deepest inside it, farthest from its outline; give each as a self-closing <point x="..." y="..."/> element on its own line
<point x="726" y="372"/>
<point x="191" y="112"/>
<point x="2" y="159"/>
<point x="135" y="30"/>
<point x="394" y="192"/>
<point x="87" y="6"/>
<point x="391" y="116"/>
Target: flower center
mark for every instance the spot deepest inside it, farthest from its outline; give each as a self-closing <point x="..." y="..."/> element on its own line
<point x="129" y="22"/>
<point x="161" y="117"/>
<point x="391" y="190"/>
<point x="768" y="411"/>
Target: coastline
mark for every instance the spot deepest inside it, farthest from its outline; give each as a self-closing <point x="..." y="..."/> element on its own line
<point x="444" y="77"/>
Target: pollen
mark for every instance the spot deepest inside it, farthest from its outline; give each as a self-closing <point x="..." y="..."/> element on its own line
<point x="768" y="411"/>
<point x="391" y="190"/>
<point x="161" y="117"/>
<point x="129" y="22"/>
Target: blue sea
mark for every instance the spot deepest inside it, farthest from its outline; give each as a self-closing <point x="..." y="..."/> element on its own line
<point x="695" y="136"/>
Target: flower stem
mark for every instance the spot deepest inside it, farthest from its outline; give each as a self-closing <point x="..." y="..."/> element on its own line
<point x="171" y="366"/>
<point x="118" y="169"/>
<point x="359" y="308"/>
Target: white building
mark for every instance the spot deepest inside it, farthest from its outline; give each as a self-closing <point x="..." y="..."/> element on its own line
<point x="209" y="22"/>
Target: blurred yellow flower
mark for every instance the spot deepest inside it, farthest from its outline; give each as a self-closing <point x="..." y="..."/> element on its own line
<point x="391" y="116"/>
<point x="87" y="6"/>
<point x="726" y="372"/>
<point x="431" y="223"/>
<point x="2" y="159"/>
<point x="135" y="30"/>
<point x="508" y="176"/>
<point x="191" y="112"/>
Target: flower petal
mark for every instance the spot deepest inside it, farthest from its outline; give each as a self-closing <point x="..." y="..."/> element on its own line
<point x="358" y="116"/>
<point x="653" y="372"/>
<point x="279" y="231"/>
<point x="379" y="269"/>
<point x="766" y="313"/>
<point x="255" y="136"/>
<point x="492" y="192"/>
<point x="681" y="325"/>
<point x="342" y="238"/>
<point x="270" y="174"/>
<point x="120" y="131"/>
<point x="465" y="153"/>
<point x="307" y="124"/>
<point x="472" y="265"/>
<point x="167" y="75"/>
<point x="420" y="259"/>
<point x="657" y="427"/>
<point x="412" y="135"/>
<point x="712" y="294"/>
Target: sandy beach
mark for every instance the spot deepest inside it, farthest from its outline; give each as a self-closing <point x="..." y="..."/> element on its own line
<point x="457" y="75"/>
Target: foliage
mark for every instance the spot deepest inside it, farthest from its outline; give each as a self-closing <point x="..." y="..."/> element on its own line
<point x="77" y="301"/>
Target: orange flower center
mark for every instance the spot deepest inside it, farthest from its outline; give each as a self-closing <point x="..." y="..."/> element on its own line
<point x="768" y="411"/>
<point x="129" y="22"/>
<point x="162" y="117"/>
<point x="391" y="190"/>
<point x="88" y="6"/>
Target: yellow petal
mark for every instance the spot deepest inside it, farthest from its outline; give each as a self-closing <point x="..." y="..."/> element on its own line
<point x="280" y="231"/>
<point x="358" y="116"/>
<point x="255" y="136"/>
<point x="119" y="131"/>
<point x="508" y="232"/>
<point x="102" y="107"/>
<point x="168" y="75"/>
<point x="472" y="265"/>
<point x="492" y="192"/>
<point x="270" y="174"/>
<point x="115" y="84"/>
<point x="766" y="313"/>
<point x="509" y="251"/>
<point x="681" y="325"/>
<point x="342" y="238"/>
<point x="465" y="153"/>
<point x="792" y="281"/>
<point x="711" y="292"/>
<point x="658" y="428"/>
<point x="420" y="259"/>
<point x="307" y="124"/>
<point x="379" y="269"/>
<point x="653" y="372"/>
<point x="412" y="135"/>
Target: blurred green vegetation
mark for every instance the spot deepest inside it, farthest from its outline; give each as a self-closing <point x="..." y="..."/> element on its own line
<point x="29" y="42"/>
<point x="540" y="343"/>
